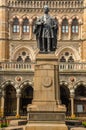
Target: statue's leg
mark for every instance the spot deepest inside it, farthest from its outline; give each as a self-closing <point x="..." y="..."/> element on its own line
<point x="53" y="44"/>
<point x="48" y="44"/>
<point x="43" y="44"/>
<point x="40" y="44"/>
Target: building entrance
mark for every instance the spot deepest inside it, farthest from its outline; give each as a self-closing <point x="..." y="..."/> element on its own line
<point x="10" y="101"/>
<point x="80" y="100"/>
<point x="26" y="98"/>
<point x="65" y="97"/>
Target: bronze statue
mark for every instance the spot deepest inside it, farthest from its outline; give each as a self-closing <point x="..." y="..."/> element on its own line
<point x="46" y="32"/>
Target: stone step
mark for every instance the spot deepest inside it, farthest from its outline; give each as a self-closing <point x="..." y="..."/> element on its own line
<point x="17" y="122"/>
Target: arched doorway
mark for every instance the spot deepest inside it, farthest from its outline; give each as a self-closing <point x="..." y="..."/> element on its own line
<point x="80" y="100"/>
<point x="26" y="98"/>
<point x="10" y="100"/>
<point x="65" y="97"/>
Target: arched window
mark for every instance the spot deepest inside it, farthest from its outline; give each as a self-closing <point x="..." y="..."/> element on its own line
<point x="80" y="91"/>
<point x="25" y="26"/>
<point x="62" y="59"/>
<point x="66" y="57"/>
<point x="15" y="25"/>
<point x="27" y="59"/>
<point x="23" y="56"/>
<point x="19" y="59"/>
<point x="65" y="97"/>
<point x="70" y="59"/>
<point x="65" y="26"/>
<point x="75" y="27"/>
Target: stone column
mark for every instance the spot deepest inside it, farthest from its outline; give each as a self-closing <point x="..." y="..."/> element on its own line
<point x="30" y="24"/>
<point x="79" y="31"/>
<point x="57" y="89"/>
<point x="59" y="30"/>
<point x="10" y="29"/>
<point x="2" y="103"/>
<point x="72" y="102"/>
<point x="4" y="31"/>
<point x="69" y="36"/>
<point x="20" y="21"/>
<point x="18" y="95"/>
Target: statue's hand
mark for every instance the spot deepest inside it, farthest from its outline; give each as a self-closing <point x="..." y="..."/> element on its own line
<point x="44" y="23"/>
<point x="39" y="23"/>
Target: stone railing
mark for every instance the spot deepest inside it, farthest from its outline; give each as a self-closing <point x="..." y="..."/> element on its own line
<point x="72" y="67"/>
<point x="15" y="66"/>
<point x="40" y="4"/>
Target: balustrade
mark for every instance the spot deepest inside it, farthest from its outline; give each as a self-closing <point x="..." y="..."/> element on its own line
<point x="72" y="66"/>
<point x="51" y="4"/>
<point x="15" y="66"/>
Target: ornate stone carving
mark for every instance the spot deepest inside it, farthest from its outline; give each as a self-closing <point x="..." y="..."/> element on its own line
<point x="46" y="81"/>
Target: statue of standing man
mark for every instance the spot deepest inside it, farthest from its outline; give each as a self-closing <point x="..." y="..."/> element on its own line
<point x="46" y="32"/>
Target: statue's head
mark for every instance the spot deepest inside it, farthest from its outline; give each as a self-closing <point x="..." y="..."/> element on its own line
<point x="46" y="9"/>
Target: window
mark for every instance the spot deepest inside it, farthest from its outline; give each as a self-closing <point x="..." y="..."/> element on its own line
<point x="66" y="57"/>
<point x="70" y="59"/>
<point x="62" y="59"/>
<point x="27" y="59"/>
<point x="79" y="108"/>
<point x="65" y="26"/>
<point x="15" y="25"/>
<point x="75" y="27"/>
<point x="19" y="59"/>
<point x="23" y="56"/>
<point x="25" y="26"/>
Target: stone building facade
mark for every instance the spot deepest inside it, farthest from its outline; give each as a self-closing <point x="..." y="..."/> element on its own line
<point x="18" y="49"/>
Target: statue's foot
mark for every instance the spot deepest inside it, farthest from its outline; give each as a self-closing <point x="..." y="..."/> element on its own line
<point x="48" y="51"/>
<point x="43" y="51"/>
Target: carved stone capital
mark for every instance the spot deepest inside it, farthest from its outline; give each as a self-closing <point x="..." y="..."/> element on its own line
<point x="18" y="94"/>
<point x="72" y="93"/>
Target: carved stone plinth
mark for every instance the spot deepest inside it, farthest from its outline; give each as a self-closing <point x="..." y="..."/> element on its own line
<point x="46" y="107"/>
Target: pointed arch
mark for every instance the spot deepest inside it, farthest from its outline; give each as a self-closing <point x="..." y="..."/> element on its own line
<point x="65" y="25"/>
<point x="10" y="97"/>
<point x="65" y="95"/>
<point x="27" y="82"/>
<point x="65" y="17"/>
<point x="68" y="48"/>
<point x="6" y="83"/>
<point x="80" y="89"/>
<point x="79" y="83"/>
<point x="15" y="16"/>
<point x="15" y="26"/>
<point x="25" y="16"/>
<point x="25" y="25"/>
<point x="21" y="49"/>
<point x="26" y="96"/>
<point x="75" y="16"/>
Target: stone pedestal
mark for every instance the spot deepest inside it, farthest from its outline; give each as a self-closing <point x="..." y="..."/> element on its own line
<point x="46" y="110"/>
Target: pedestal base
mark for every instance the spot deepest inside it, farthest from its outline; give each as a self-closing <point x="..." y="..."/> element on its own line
<point x="44" y="117"/>
<point x="46" y="111"/>
<point x="46" y="127"/>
